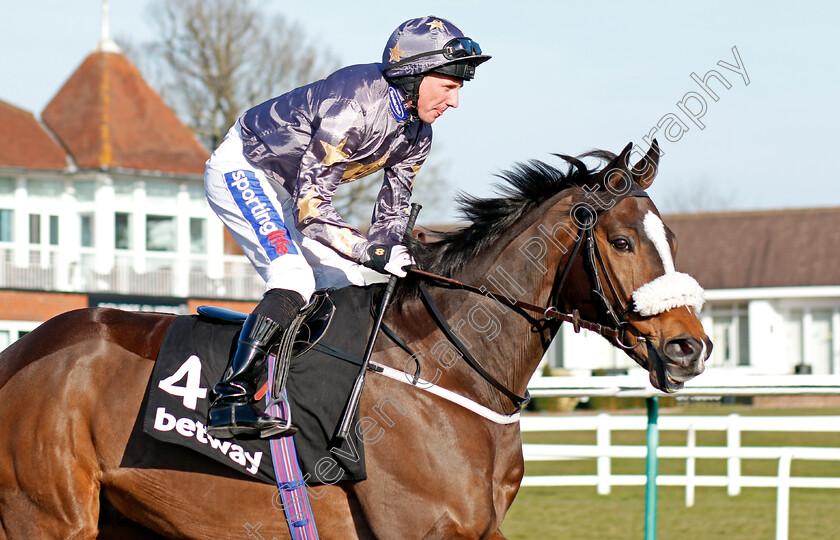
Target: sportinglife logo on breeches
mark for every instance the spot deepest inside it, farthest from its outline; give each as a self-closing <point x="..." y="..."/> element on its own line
<point x="261" y="214"/>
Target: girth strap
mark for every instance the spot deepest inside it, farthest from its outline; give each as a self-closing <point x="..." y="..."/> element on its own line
<point x="473" y="363"/>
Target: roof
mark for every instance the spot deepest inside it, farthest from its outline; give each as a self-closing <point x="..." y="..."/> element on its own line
<point x="108" y="117"/>
<point x="773" y="248"/>
<point x="26" y="143"/>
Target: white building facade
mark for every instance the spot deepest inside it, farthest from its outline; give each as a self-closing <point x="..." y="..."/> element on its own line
<point x="772" y="295"/>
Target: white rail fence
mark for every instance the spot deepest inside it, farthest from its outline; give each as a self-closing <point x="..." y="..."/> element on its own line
<point x="733" y="425"/>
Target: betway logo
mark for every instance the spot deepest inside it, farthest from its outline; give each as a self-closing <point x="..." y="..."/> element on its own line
<point x="257" y="208"/>
<point x="189" y="428"/>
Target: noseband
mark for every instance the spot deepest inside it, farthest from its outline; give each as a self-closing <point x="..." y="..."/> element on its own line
<point x="595" y="268"/>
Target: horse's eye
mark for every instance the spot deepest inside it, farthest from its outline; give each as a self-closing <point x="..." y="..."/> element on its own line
<point x="621" y="244"/>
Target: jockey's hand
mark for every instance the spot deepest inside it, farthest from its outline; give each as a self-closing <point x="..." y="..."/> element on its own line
<point x="389" y="259"/>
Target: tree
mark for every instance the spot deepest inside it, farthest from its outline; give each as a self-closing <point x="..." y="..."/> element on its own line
<point x="214" y="59"/>
<point x="695" y="196"/>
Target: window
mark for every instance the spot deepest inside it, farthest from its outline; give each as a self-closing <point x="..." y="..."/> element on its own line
<point x="45" y="189"/>
<point x="87" y="231"/>
<point x="162" y="191"/>
<point x="6" y="221"/>
<point x="198" y="235"/>
<point x="122" y="230"/>
<point x="196" y="193"/>
<point x="11" y="331"/>
<point x="730" y="334"/>
<point x="7" y="186"/>
<point x="53" y="230"/>
<point x="34" y="228"/>
<point x="808" y="336"/>
<point x="124" y="189"/>
<point x="818" y="342"/>
<point x="85" y="190"/>
<point x="161" y="234"/>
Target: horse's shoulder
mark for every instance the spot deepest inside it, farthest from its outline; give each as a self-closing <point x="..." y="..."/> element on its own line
<point x="138" y="332"/>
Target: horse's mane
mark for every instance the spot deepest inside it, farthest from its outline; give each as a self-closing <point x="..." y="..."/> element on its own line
<point x="522" y="188"/>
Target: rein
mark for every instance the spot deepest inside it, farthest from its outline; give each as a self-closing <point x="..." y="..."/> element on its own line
<point x="549" y="312"/>
<point x="593" y="261"/>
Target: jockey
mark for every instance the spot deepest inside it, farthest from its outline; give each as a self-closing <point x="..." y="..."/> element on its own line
<point x="272" y="180"/>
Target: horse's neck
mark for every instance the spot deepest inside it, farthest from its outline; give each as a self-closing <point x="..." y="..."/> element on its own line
<point x="497" y="335"/>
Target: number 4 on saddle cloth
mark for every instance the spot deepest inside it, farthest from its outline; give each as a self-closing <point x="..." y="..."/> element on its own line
<point x="193" y="357"/>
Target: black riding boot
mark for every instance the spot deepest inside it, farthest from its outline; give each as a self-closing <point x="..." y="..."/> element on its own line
<point x="232" y="413"/>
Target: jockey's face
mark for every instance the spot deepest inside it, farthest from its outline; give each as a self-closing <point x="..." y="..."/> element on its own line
<point x="437" y="93"/>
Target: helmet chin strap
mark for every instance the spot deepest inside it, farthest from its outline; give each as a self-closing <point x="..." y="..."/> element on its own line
<point x="410" y="86"/>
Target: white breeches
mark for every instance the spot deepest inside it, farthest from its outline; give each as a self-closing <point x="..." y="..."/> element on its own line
<point x="259" y="216"/>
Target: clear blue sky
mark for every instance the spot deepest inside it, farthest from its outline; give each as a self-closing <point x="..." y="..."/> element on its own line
<point x="565" y="77"/>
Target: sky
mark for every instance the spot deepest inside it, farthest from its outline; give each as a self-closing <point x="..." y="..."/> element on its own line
<point x="565" y="77"/>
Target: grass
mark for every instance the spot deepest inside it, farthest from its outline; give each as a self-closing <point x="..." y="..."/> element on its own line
<point x="579" y="513"/>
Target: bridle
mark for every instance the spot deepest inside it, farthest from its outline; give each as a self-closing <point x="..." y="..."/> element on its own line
<point x="593" y="262"/>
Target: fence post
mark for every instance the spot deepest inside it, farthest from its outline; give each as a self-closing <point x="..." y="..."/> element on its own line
<point x="652" y="467"/>
<point x="783" y="495"/>
<point x="733" y="464"/>
<point x="691" y="444"/>
<point x="603" y="439"/>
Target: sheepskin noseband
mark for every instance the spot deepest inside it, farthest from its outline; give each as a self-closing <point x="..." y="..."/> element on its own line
<point x="668" y="291"/>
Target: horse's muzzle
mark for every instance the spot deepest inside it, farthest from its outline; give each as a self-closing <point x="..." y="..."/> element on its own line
<point x="684" y="357"/>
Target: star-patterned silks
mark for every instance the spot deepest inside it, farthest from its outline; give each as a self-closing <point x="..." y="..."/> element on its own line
<point x="416" y="169"/>
<point x="334" y="153"/>
<point x="437" y="23"/>
<point x="308" y="206"/>
<point x="396" y="52"/>
<point x="343" y="151"/>
<point x="356" y="170"/>
<point x="344" y="239"/>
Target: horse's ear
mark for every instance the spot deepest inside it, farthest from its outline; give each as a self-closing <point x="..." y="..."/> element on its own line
<point x="645" y="170"/>
<point x="617" y="171"/>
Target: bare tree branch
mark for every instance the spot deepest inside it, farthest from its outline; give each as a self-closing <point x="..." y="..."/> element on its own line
<point x="214" y="59"/>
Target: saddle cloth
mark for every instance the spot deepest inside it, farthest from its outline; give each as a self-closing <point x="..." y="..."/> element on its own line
<point x="194" y="355"/>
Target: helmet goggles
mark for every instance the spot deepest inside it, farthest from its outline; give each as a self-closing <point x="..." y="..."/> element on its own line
<point x="459" y="47"/>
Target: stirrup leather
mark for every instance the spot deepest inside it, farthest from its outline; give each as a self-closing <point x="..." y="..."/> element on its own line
<point x="314" y="319"/>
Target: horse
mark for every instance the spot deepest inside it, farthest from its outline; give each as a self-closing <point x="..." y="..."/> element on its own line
<point x="72" y="389"/>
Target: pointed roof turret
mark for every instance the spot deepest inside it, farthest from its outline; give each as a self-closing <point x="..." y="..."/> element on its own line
<point x="108" y="117"/>
<point x="25" y="143"/>
<point x="106" y="44"/>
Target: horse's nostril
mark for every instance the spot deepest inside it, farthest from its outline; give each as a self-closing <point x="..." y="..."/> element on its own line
<point x="682" y="350"/>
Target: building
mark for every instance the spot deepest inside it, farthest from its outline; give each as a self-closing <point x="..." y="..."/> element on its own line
<point x="102" y="204"/>
<point x="772" y="283"/>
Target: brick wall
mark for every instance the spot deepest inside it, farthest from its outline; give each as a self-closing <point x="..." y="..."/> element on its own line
<point x="244" y="307"/>
<point x="38" y="306"/>
<point x="795" y="402"/>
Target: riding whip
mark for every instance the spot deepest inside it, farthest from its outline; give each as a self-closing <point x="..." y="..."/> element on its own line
<point x="359" y="384"/>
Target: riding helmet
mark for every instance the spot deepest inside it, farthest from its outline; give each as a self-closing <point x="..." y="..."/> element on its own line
<point x="429" y="45"/>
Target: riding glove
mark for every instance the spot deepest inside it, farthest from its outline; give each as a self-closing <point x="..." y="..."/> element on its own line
<point x="389" y="259"/>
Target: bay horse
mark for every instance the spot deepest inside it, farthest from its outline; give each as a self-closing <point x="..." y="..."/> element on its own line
<point x="71" y="390"/>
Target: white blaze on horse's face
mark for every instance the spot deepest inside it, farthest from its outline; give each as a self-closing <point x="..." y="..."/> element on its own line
<point x="672" y="289"/>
